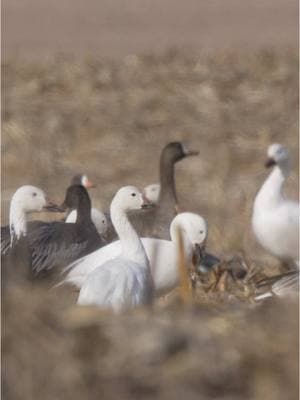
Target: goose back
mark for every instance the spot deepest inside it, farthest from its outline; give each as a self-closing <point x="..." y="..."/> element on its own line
<point x="56" y="244"/>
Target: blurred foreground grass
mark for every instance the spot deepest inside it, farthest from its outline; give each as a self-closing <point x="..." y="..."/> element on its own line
<point x="110" y="119"/>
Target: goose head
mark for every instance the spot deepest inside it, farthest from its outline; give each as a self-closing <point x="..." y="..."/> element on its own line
<point x="277" y="155"/>
<point x="25" y="200"/>
<point x="100" y="221"/>
<point x="82" y="179"/>
<point x="176" y="151"/>
<point x="193" y="228"/>
<point x="129" y="198"/>
<point x="32" y="199"/>
<point x="76" y="196"/>
<point x="152" y="192"/>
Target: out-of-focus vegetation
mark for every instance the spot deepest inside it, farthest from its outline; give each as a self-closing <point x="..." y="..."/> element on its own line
<point x="110" y="119"/>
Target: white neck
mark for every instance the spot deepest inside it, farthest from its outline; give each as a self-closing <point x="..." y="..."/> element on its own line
<point x="132" y="247"/>
<point x="187" y="244"/>
<point x="271" y="191"/>
<point x="17" y="221"/>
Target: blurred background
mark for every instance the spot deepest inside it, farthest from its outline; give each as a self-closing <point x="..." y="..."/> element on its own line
<point x="99" y="87"/>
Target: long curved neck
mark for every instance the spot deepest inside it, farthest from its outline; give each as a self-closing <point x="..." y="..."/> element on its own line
<point x="84" y="210"/>
<point x="132" y="247"/>
<point x="17" y="221"/>
<point x="176" y="228"/>
<point x="271" y="191"/>
<point x="167" y="181"/>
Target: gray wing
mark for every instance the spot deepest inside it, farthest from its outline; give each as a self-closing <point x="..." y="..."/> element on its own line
<point x="5" y="239"/>
<point x="283" y="285"/>
<point x="51" y="247"/>
<point x="287" y="285"/>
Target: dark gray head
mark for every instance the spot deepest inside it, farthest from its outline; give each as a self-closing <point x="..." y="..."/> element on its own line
<point x="173" y="152"/>
<point x="176" y="151"/>
<point x="82" y="179"/>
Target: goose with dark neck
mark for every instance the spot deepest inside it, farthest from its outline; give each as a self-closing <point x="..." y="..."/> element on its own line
<point x="83" y="180"/>
<point x="56" y="244"/>
<point x="156" y="222"/>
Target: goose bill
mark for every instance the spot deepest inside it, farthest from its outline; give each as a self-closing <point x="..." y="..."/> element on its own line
<point x="189" y="152"/>
<point x="199" y="252"/>
<point x="270" y="162"/>
<point x="52" y="207"/>
<point x="146" y="203"/>
<point x="89" y="184"/>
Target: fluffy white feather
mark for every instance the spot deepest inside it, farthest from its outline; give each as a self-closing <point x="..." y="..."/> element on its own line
<point x="162" y="254"/>
<point x="125" y="280"/>
<point x="275" y="219"/>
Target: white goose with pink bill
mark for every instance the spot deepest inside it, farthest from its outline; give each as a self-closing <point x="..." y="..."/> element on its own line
<point x="124" y="281"/>
<point x="275" y="219"/>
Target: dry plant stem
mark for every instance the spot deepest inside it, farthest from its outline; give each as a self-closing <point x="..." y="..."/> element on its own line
<point x="185" y="289"/>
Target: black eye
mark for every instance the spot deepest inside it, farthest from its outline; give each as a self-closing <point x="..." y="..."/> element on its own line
<point x="133" y="194"/>
<point x="201" y="232"/>
<point x="34" y="194"/>
<point x="103" y="222"/>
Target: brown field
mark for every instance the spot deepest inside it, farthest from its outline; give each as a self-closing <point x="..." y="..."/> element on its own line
<point x="110" y="119"/>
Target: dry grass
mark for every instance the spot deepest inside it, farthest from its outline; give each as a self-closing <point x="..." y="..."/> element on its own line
<point x="110" y="119"/>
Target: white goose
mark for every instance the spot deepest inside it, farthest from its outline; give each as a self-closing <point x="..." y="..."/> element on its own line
<point x="25" y="200"/>
<point x="162" y="254"/>
<point x="152" y="192"/>
<point x="124" y="281"/>
<point x="98" y="217"/>
<point x="275" y="219"/>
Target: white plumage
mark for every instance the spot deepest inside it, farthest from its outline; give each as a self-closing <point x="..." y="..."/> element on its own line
<point x="25" y="200"/>
<point x="152" y="192"/>
<point x="125" y="280"/>
<point x="275" y="219"/>
<point x="162" y="254"/>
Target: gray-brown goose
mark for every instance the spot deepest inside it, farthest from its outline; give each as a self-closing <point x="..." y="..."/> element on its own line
<point x="156" y="221"/>
<point x="57" y="244"/>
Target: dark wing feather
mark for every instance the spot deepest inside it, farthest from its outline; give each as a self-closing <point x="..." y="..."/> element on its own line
<point x="5" y="239"/>
<point x="57" y="244"/>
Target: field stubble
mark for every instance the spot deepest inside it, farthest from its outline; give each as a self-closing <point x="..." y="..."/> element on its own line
<point x="110" y="119"/>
